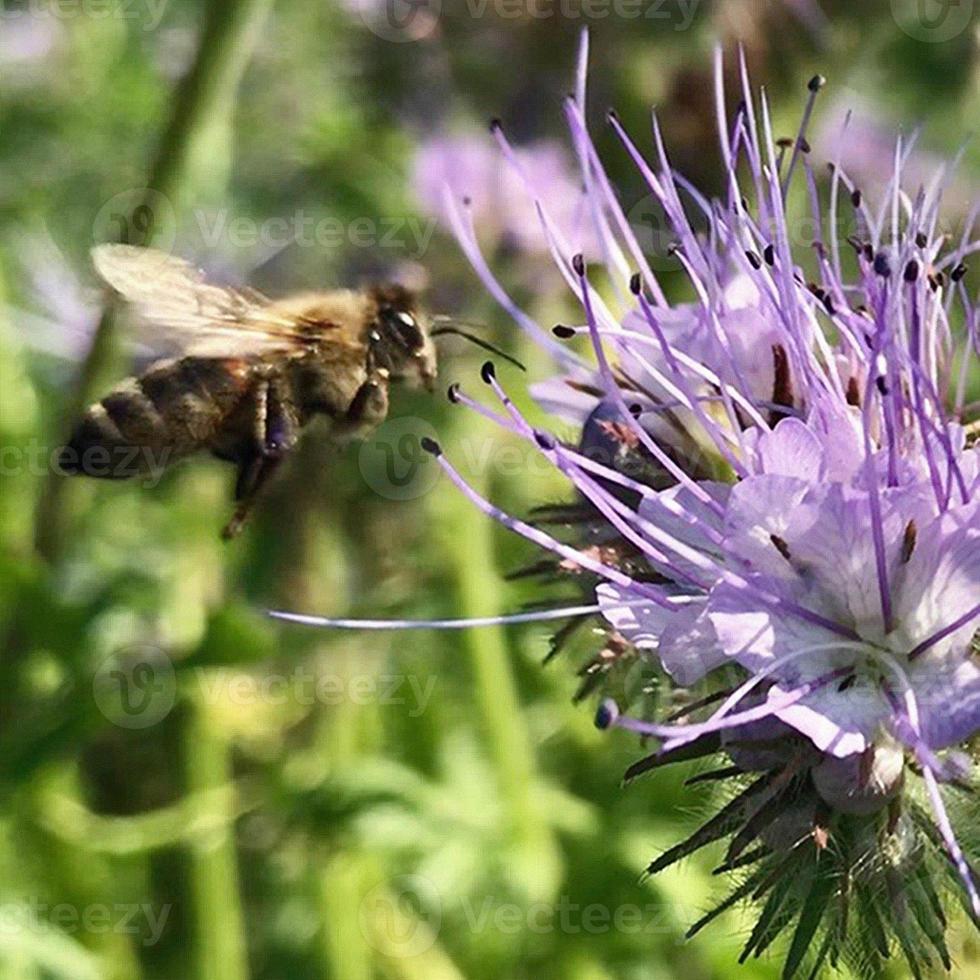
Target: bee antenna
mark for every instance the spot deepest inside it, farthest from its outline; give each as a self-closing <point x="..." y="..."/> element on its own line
<point x="479" y="341"/>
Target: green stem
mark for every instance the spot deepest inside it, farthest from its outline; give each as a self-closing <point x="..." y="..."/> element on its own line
<point x="510" y="744"/>
<point x="219" y="926"/>
<point x="204" y="98"/>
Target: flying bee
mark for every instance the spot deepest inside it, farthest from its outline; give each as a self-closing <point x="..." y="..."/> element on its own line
<point x="249" y="374"/>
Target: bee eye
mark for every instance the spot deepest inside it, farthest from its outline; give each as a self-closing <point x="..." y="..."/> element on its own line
<point x="403" y="328"/>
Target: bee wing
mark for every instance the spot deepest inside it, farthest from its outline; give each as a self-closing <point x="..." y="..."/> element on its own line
<point x="179" y="308"/>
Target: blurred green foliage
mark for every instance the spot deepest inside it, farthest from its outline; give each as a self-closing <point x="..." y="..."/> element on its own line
<point x="288" y="803"/>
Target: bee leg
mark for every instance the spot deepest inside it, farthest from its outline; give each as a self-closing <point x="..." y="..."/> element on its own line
<point x="252" y="476"/>
<point x="276" y="432"/>
<point x="368" y="408"/>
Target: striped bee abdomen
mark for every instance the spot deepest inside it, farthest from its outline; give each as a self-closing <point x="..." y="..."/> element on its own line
<point x="148" y="422"/>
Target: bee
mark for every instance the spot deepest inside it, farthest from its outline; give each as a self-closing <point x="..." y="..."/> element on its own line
<point x="249" y="372"/>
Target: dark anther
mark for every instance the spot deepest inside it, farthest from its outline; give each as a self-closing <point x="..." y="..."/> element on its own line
<point x="958" y="273"/>
<point x="636" y="284"/>
<point x="495" y="124"/>
<point x="453" y="393"/>
<point x="908" y="541"/>
<point x="769" y="254"/>
<point x="488" y="372"/>
<point x="560" y="330"/>
<point x="754" y="259"/>
<point x="431" y="446"/>
<point x="545" y="440"/>
<point x="911" y="271"/>
<point x="882" y="385"/>
<point x="606" y="714"/>
<point x="881" y="266"/>
<point x="612" y="115"/>
<point x="856" y="198"/>
<point x="816" y="83"/>
<point x="578" y="264"/>
<point x="780" y="545"/>
<point x="782" y="384"/>
<point x="921" y="240"/>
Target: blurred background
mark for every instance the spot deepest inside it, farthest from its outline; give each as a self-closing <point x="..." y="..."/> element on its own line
<point x="189" y="789"/>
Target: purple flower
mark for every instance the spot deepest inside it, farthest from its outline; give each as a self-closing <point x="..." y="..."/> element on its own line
<point x="500" y="198"/>
<point x="778" y="512"/>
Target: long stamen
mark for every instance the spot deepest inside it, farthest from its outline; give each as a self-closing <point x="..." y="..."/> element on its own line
<point x="537" y="616"/>
<point x="940" y="635"/>
<point x="466" y="236"/>
<point x="540" y="538"/>
<point x="874" y="503"/>
<point x="721" y="719"/>
<point x="814" y="85"/>
<point x="612" y="387"/>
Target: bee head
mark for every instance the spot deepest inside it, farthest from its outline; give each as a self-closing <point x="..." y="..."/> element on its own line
<point x="400" y="338"/>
